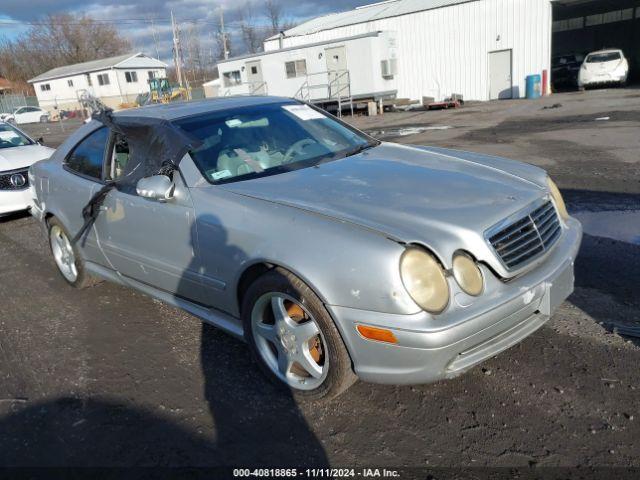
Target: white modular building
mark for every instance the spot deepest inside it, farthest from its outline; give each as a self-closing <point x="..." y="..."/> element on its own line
<point x="359" y="66"/>
<point x="116" y="80"/>
<point x="480" y="49"/>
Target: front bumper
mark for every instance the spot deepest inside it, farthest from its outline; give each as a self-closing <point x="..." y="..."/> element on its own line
<point x="433" y="348"/>
<point x="14" y="200"/>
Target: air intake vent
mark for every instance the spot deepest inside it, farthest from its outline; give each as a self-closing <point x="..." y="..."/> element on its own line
<point x="527" y="238"/>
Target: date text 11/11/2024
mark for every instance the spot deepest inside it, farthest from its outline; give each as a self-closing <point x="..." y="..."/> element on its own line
<point x="316" y="473"/>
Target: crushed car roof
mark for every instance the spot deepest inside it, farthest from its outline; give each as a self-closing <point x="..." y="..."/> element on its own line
<point x="173" y="111"/>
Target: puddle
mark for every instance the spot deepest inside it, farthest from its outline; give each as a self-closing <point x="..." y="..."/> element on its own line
<point x="404" y="131"/>
<point x="622" y="225"/>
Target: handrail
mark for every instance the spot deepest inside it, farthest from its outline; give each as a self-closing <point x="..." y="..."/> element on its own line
<point x="258" y="86"/>
<point x="252" y="88"/>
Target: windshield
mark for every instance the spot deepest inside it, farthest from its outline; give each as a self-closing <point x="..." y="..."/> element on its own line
<point x="603" y="57"/>
<point x="262" y="140"/>
<point x="10" y="137"/>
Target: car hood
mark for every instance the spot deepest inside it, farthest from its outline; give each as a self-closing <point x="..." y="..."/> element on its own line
<point x="432" y="196"/>
<point x="20" y="157"/>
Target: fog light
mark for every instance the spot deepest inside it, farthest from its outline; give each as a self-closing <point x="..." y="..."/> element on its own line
<point x="377" y="334"/>
<point x="467" y="274"/>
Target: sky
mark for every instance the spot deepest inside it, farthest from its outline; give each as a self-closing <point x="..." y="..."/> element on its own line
<point x="133" y="18"/>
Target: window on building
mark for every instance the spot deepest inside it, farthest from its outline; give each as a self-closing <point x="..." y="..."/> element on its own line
<point x="88" y="79"/>
<point x="131" y="77"/>
<point x="103" y="79"/>
<point x="87" y="157"/>
<point x="592" y="20"/>
<point x="231" y="78"/>
<point x="611" y="17"/>
<point x="254" y="70"/>
<point x="297" y="68"/>
<point x="45" y="87"/>
<point x="151" y="74"/>
<point x="70" y="83"/>
<point x="569" y="24"/>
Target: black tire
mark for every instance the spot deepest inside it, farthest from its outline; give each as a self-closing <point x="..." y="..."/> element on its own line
<point x="44" y="119"/>
<point x="340" y="375"/>
<point x="83" y="279"/>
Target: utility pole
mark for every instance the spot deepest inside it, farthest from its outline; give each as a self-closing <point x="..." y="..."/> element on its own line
<point x="155" y="38"/>
<point x="177" y="50"/>
<point x="225" y="47"/>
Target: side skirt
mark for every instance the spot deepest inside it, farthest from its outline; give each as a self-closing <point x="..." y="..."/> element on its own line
<point x="215" y="317"/>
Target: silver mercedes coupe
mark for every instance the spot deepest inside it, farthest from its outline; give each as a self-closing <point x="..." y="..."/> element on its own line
<point x="333" y="255"/>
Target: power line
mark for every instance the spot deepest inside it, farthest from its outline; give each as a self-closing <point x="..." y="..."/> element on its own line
<point x="113" y="21"/>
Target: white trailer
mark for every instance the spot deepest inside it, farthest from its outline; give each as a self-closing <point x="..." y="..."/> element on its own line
<point x="333" y="72"/>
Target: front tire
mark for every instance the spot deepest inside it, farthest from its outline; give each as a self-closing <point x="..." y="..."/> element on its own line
<point x="44" y="119"/>
<point x="67" y="257"/>
<point x="293" y="338"/>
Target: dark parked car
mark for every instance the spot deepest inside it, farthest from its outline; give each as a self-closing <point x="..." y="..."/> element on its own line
<point x="565" y="69"/>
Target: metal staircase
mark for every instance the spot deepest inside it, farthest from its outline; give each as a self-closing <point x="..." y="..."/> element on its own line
<point x="332" y="86"/>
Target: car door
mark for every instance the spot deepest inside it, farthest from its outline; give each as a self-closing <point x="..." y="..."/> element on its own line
<point x="32" y="114"/>
<point x="19" y="115"/>
<point x="26" y="115"/>
<point x="71" y="190"/>
<point x="146" y="240"/>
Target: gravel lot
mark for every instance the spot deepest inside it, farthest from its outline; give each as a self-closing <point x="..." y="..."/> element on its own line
<point x="109" y="377"/>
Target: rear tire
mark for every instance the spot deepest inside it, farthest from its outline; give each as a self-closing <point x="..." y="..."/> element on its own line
<point x="277" y="308"/>
<point x="67" y="257"/>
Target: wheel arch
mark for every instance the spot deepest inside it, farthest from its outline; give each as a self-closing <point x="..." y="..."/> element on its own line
<point x="260" y="267"/>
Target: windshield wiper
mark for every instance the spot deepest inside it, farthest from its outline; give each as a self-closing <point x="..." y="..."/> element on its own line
<point x="360" y="148"/>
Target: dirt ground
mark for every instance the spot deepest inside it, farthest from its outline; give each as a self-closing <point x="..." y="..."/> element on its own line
<point x="109" y="377"/>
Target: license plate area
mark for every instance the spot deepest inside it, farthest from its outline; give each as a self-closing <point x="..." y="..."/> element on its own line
<point x="557" y="289"/>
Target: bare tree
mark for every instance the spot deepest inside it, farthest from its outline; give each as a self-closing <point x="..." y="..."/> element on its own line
<point x="59" y="40"/>
<point x="274" y="14"/>
<point x="219" y="37"/>
<point x="250" y="32"/>
<point x="194" y="64"/>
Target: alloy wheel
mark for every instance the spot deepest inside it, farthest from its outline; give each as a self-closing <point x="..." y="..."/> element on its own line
<point x="289" y="341"/>
<point x="63" y="253"/>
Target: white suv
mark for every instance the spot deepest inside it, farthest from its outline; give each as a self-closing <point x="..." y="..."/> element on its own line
<point x="604" y="67"/>
<point x="17" y="153"/>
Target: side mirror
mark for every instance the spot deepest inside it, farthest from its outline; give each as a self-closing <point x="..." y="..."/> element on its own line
<point x="157" y="187"/>
<point x="40" y="140"/>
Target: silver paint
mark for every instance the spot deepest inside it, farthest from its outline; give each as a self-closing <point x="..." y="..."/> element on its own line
<point x="341" y="228"/>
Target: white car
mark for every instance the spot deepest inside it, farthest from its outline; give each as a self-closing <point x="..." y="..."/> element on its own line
<point x="604" y="67"/>
<point x="26" y="115"/>
<point x="17" y="153"/>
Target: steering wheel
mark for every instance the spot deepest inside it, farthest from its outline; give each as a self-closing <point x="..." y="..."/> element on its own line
<point x="296" y="149"/>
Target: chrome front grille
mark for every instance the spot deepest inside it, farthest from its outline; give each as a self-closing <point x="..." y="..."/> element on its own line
<point x="528" y="237"/>
<point x="14" y="180"/>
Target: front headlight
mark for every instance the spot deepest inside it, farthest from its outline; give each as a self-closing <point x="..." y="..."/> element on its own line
<point x="557" y="199"/>
<point x="424" y="280"/>
<point x="467" y="274"/>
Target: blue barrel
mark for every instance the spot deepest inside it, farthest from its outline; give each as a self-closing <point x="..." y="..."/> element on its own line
<point x="533" y="86"/>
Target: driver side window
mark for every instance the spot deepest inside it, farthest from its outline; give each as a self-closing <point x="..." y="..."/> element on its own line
<point x="87" y="156"/>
